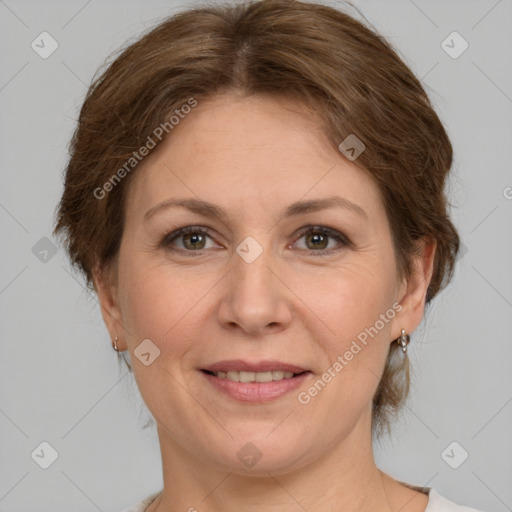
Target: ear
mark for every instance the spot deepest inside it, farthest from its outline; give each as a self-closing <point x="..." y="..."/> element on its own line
<point x="105" y="285"/>
<point x="413" y="290"/>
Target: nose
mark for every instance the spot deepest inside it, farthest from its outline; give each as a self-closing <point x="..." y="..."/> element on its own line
<point x="255" y="300"/>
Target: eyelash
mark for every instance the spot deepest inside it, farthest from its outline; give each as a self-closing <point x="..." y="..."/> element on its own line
<point x="323" y="230"/>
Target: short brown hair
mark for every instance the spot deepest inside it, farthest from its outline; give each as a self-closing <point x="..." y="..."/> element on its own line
<point x="343" y="70"/>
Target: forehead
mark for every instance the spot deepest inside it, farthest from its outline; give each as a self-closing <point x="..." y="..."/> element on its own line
<point x="245" y="153"/>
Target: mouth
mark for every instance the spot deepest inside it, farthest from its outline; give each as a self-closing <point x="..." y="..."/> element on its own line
<point x="254" y="382"/>
<point x="269" y="376"/>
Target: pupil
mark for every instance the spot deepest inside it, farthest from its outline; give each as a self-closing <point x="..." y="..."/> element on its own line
<point x="319" y="237"/>
<point x="195" y="239"/>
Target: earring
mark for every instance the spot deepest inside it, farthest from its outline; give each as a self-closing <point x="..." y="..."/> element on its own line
<point x="403" y="341"/>
<point x="120" y="353"/>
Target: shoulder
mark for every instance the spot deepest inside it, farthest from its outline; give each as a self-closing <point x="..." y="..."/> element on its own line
<point x="141" y="506"/>
<point x="438" y="503"/>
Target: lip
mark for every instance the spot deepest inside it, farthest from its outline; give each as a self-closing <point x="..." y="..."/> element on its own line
<point x="254" y="392"/>
<point x="239" y="365"/>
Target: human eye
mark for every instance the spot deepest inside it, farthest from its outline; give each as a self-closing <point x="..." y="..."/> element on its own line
<point x="317" y="240"/>
<point x="189" y="239"/>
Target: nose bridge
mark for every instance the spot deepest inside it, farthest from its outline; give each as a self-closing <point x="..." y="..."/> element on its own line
<point x="254" y="298"/>
<point x="251" y="273"/>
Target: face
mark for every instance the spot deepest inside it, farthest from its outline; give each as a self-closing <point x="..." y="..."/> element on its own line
<point x="266" y="289"/>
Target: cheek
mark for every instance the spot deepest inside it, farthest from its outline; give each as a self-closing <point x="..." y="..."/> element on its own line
<point x="156" y="307"/>
<point x="356" y="303"/>
<point x="354" y="356"/>
<point x="168" y="305"/>
<point x="350" y="299"/>
<point x="154" y="301"/>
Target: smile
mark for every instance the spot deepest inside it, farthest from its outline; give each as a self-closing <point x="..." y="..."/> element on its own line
<point x="254" y="382"/>
<point x="269" y="376"/>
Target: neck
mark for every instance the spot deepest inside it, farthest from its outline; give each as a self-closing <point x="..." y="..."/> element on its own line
<point x="346" y="476"/>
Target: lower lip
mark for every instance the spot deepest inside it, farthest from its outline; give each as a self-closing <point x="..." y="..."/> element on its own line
<point x="256" y="392"/>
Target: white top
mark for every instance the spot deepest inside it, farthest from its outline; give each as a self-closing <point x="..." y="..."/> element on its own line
<point x="436" y="502"/>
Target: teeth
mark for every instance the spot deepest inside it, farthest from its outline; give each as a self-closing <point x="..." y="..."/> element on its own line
<point x="254" y="376"/>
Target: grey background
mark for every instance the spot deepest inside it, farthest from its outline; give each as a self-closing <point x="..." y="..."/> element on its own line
<point x="60" y="380"/>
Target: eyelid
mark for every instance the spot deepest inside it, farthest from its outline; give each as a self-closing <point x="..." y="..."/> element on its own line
<point x="340" y="237"/>
<point x="322" y="228"/>
<point x="177" y="233"/>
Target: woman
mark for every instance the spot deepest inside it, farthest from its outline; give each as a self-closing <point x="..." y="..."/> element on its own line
<point x="256" y="194"/>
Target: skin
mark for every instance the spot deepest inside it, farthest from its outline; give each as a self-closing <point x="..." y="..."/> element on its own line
<point x="253" y="157"/>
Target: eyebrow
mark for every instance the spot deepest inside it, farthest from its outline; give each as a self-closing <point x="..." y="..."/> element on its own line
<point x="299" y="208"/>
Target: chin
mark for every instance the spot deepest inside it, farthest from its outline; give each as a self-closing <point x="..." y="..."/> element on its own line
<point x="257" y="456"/>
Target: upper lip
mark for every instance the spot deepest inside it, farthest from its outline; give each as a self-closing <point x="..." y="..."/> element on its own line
<point x="238" y="365"/>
